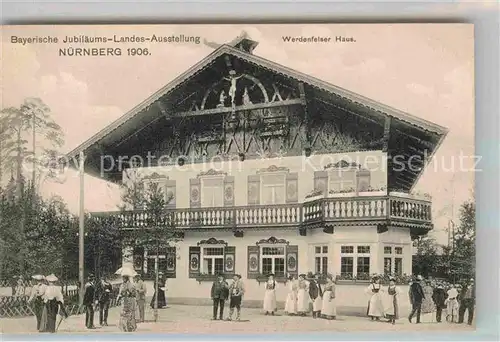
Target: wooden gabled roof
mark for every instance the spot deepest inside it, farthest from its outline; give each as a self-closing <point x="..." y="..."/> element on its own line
<point x="131" y="121"/>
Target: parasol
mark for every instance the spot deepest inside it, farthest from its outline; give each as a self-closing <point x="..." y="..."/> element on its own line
<point x="126" y="271"/>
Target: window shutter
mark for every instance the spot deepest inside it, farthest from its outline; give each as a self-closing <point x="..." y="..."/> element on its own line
<point x="292" y="186"/>
<point x="292" y="260"/>
<point x="253" y="262"/>
<point x="229" y="260"/>
<point x="194" y="262"/>
<point x="362" y="180"/>
<point x="170" y="193"/>
<point x="253" y="189"/>
<point x="229" y="191"/>
<point x="195" y="192"/>
<point x="171" y="256"/>
<point x="321" y="181"/>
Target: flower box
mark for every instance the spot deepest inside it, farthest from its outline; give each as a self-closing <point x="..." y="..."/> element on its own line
<point x="314" y="198"/>
<point x="418" y="196"/>
<point x="372" y="193"/>
<point x="342" y="194"/>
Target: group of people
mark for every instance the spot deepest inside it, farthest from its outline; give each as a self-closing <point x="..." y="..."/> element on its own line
<point x="456" y="299"/>
<point x="47" y="300"/>
<point x="132" y="295"/>
<point x="305" y="294"/>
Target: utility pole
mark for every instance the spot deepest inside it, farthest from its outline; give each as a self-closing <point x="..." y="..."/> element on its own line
<point x="81" y="229"/>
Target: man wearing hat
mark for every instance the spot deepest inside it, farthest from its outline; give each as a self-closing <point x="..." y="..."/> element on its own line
<point x="89" y="300"/>
<point x="236" y="290"/>
<point x="416" y="297"/>
<point x="452" y="304"/>
<point x="439" y="299"/>
<point x="140" y="287"/>
<point x="36" y="298"/>
<point x="54" y="303"/>
<point x="316" y="294"/>
<point x="467" y="301"/>
<point x="104" y="290"/>
<point x="219" y="294"/>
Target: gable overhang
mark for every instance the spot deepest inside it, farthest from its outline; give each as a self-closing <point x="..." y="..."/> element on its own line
<point x="425" y="136"/>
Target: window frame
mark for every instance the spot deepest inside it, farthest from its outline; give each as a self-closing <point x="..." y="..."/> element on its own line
<point x="262" y="186"/>
<point x="203" y="179"/>
<point x="212" y="257"/>
<point x="352" y="251"/>
<point x="321" y="255"/>
<point x="337" y="176"/>
<point x="273" y="258"/>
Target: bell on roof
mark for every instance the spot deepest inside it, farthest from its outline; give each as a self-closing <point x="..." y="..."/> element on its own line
<point x="244" y="42"/>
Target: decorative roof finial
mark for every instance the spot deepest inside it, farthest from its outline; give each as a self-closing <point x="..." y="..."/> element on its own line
<point x="242" y="42"/>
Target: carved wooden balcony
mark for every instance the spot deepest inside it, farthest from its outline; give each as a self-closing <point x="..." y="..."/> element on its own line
<point x="356" y="210"/>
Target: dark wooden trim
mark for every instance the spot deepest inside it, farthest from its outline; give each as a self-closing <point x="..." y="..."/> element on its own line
<point x="225" y="110"/>
<point x="387" y="130"/>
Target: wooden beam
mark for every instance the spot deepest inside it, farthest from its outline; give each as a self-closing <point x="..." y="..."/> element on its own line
<point x="225" y="110"/>
<point x="387" y="130"/>
<point x="420" y="141"/>
<point x="347" y="110"/>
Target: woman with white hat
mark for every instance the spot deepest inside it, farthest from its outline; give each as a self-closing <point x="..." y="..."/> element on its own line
<point x="36" y="298"/>
<point x="53" y="299"/>
<point x="128" y="293"/>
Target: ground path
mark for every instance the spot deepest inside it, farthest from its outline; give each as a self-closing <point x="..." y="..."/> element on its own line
<point x="196" y="319"/>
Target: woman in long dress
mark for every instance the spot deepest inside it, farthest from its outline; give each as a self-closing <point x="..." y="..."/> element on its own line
<point x="303" y="298"/>
<point x="375" y="308"/>
<point x="53" y="302"/>
<point x="128" y="293"/>
<point x="161" y="292"/>
<point x="427" y="304"/>
<point x="329" y="307"/>
<point x="291" y="298"/>
<point x="392" y="307"/>
<point x="270" y="296"/>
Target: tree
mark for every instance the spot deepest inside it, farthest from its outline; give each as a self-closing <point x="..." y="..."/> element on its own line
<point x="31" y="121"/>
<point x="463" y="251"/>
<point x="158" y="232"/>
<point x="426" y="260"/>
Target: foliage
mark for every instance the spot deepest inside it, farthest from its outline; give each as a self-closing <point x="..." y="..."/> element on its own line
<point x="29" y="134"/>
<point x="158" y="232"/>
<point x="425" y="261"/>
<point x="41" y="246"/>
<point x="463" y="253"/>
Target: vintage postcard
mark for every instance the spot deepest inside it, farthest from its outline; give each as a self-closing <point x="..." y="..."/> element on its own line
<point x="237" y="178"/>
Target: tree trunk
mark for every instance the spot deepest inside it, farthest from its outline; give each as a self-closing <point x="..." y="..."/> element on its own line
<point x="157" y="262"/>
<point x="33" y="172"/>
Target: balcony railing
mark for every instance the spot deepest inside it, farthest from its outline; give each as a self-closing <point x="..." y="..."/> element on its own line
<point x="366" y="208"/>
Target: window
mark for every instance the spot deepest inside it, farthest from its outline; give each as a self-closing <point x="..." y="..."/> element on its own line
<point x="387" y="250"/>
<point x="398" y="250"/>
<point x="166" y="262"/>
<point x="273" y="189"/>
<point x="346" y="249"/>
<point x="363" y="249"/>
<point x="212" y="194"/>
<point x="213" y="260"/>
<point x="347" y="266"/>
<point x="321" y="259"/>
<point x="398" y="266"/>
<point x="273" y="261"/>
<point x="387" y="266"/>
<point x="363" y="268"/>
<point x="359" y="263"/>
<point x="342" y="180"/>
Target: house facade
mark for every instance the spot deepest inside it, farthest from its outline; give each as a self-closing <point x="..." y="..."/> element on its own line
<point x="268" y="170"/>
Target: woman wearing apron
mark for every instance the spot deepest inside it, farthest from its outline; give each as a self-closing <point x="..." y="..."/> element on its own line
<point x="329" y="307"/>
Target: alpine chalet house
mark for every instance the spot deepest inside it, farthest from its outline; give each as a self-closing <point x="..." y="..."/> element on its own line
<point x="270" y="171"/>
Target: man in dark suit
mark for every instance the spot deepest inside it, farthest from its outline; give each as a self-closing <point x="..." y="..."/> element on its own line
<point x="89" y="300"/>
<point x="104" y="290"/>
<point x="439" y="298"/>
<point x="467" y="300"/>
<point x="219" y="294"/>
<point x="416" y="298"/>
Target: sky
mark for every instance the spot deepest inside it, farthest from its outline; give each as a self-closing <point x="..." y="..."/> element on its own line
<point x="423" y="69"/>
